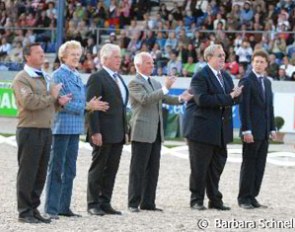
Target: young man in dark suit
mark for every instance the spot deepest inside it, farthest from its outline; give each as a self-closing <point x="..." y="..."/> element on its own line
<point x="208" y="127"/>
<point x="106" y="130"/>
<point x="257" y="124"/>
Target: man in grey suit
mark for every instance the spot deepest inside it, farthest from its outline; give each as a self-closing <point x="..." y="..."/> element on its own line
<point x="146" y="97"/>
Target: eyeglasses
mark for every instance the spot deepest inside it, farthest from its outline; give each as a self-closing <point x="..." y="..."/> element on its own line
<point x="220" y="55"/>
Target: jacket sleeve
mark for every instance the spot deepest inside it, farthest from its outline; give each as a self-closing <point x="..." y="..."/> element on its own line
<point x="138" y="92"/>
<point x="245" y="109"/>
<point x="94" y="89"/>
<point x="75" y="106"/>
<point x="27" y="97"/>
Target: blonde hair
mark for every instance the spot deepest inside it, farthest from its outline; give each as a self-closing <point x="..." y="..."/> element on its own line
<point x="72" y="44"/>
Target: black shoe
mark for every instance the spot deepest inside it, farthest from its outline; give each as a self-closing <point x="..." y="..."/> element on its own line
<point x="28" y="219"/>
<point x="152" y="209"/>
<point x="221" y="206"/>
<point x="256" y="204"/>
<point x="38" y="216"/>
<point x="198" y="206"/>
<point x="96" y="211"/>
<point x="69" y="214"/>
<point x="109" y="210"/>
<point x="246" y="206"/>
<point x="133" y="209"/>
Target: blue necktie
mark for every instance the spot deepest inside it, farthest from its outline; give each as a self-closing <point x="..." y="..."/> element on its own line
<point x="39" y="73"/>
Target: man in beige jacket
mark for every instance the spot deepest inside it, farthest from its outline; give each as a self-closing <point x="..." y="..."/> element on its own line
<point x="146" y="97"/>
<point x="37" y="100"/>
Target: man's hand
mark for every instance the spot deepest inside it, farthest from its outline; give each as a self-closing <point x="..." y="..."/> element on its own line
<point x="96" y="104"/>
<point x="186" y="96"/>
<point x="65" y="99"/>
<point x="55" y="90"/>
<point x="97" y="139"/>
<point x="236" y="91"/>
<point x="248" y="138"/>
<point x="169" y="81"/>
<point x="273" y="136"/>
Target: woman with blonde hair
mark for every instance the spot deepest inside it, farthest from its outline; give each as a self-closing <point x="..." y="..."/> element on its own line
<point x="68" y="125"/>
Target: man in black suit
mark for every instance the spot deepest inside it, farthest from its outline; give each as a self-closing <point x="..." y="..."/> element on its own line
<point x="208" y="127"/>
<point x="257" y="123"/>
<point x="106" y="130"/>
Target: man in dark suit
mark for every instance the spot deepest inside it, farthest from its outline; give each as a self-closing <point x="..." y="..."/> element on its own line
<point x="106" y="130"/>
<point x="257" y="123"/>
<point x="147" y="135"/>
<point x="208" y="127"/>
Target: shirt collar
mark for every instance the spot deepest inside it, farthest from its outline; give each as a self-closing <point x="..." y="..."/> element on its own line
<point x="109" y="71"/>
<point x="32" y="71"/>
<point x="213" y="70"/>
<point x="66" y="67"/>
<point x="257" y="75"/>
<point x="144" y="76"/>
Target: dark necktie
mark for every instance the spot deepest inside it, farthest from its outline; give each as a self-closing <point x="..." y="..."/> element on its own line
<point x="149" y="81"/>
<point x="262" y="87"/>
<point x="220" y="79"/>
<point x="39" y="73"/>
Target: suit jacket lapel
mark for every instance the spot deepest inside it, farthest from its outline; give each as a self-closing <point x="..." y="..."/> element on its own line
<point x="212" y="77"/>
<point x="257" y="85"/>
<point x="126" y="90"/>
<point x="145" y="83"/>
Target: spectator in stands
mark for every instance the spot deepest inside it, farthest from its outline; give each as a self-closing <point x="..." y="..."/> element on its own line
<point x="161" y="40"/>
<point x="232" y="65"/>
<point x="173" y="63"/>
<point x="46" y="66"/>
<point x="219" y="19"/>
<point x="278" y="46"/>
<point x="282" y="75"/>
<point x="241" y="73"/>
<point x="246" y="14"/>
<point x="292" y="78"/>
<point x="273" y="67"/>
<point x="244" y="52"/>
<point x="88" y="65"/>
<point x="124" y="40"/>
<point x="289" y="68"/>
<point x="171" y="41"/>
<point x="16" y="53"/>
<point x="5" y="48"/>
<point x="124" y="13"/>
<point x="189" y="67"/>
<point x="163" y="11"/>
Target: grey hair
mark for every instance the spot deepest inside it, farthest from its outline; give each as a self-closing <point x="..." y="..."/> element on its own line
<point x="209" y="51"/>
<point x="138" y="58"/>
<point x="107" y="50"/>
<point x="72" y="44"/>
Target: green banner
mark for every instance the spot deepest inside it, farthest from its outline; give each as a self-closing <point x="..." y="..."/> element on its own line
<point x="7" y="101"/>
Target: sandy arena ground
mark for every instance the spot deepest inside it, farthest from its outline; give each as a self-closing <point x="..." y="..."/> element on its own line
<point x="172" y="195"/>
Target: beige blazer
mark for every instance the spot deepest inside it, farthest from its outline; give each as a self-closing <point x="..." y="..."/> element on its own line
<point x="146" y="106"/>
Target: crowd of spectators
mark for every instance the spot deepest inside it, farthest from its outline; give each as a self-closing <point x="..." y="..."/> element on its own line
<point x="175" y="36"/>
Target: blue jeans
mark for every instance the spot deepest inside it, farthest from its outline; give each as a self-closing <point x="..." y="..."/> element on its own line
<point x="61" y="173"/>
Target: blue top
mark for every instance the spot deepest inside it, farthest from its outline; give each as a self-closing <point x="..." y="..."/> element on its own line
<point x="70" y="120"/>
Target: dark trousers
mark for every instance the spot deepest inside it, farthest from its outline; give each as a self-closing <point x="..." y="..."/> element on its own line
<point x="33" y="155"/>
<point x="252" y="170"/>
<point x="144" y="173"/>
<point x="102" y="174"/>
<point x="207" y="163"/>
